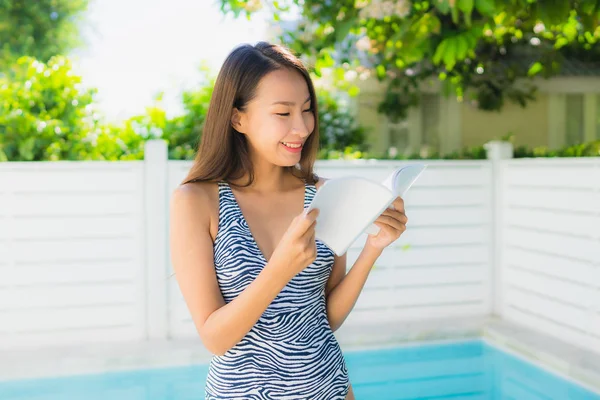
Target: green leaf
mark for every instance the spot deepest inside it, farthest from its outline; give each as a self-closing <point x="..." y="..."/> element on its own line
<point x="535" y="69"/>
<point x="554" y="12"/>
<point x="439" y="52"/>
<point x="454" y="11"/>
<point x="589" y="6"/>
<point x="443" y="6"/>
<point x="343" y="29"/>
<point x="353" y="91"/>
<point x="450" y="53"/>
<point x="462" y="47"/>
<point x="465" y="6"/>
<point x="561" y="42"/>
<point x="380" y="71"/>
<point x="485" y="7"/>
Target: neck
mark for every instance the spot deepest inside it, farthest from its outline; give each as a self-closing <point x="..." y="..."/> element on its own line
<point x="268" y="177"/>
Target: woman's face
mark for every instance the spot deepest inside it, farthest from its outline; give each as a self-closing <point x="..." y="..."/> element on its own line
<point x="279" y="119"/>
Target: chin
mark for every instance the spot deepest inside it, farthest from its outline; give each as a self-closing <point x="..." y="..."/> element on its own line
<point x="289" y="163"/>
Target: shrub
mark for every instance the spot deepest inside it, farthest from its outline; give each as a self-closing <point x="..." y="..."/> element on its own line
<point x="45" y="114"/>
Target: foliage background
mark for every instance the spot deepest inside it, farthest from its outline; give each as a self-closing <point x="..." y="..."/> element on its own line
<point x="472" y="46"/>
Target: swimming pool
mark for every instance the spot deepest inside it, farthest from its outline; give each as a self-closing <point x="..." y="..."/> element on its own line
<point x="466" y="370"/>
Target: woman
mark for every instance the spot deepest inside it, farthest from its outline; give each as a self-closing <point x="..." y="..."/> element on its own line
<point x="264" y="295"/>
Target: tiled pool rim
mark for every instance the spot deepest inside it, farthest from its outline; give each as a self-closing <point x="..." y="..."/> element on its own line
<point x="568" y="361"/>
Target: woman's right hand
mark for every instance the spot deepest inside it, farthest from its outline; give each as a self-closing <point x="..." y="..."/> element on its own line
<point x="297" y="248"/>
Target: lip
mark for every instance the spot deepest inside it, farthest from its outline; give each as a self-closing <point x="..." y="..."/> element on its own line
<point x="298" y="150"/>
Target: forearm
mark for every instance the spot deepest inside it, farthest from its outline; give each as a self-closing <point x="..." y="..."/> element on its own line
<point x="342" y="298"/>
<point x="226" y="326"/>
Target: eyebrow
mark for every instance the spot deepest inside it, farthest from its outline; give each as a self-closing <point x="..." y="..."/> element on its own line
<point x="290" y="103"/>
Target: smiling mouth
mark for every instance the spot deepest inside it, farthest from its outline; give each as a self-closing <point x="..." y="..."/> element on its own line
<point x="292" y="145"/>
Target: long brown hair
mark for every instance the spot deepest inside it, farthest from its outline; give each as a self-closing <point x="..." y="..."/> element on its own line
<point x="223" y="152"/>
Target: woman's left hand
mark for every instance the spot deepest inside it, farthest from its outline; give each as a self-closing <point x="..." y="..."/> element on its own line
<point x="392" y="224"/>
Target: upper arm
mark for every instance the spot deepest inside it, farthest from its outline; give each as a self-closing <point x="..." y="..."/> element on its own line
<point x="192" y="252"/>
<point x="338" y="272"/>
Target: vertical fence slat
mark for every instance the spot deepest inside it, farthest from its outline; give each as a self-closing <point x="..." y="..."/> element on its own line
<point x="497" y="151"/>
<point x="155" y="194"/>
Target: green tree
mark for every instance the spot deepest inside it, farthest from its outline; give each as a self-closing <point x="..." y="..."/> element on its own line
<point x="338" y="128"/>
<point x="40" y="28"/>
<point x="45" y="113"/>
<point x="478" y="49"/>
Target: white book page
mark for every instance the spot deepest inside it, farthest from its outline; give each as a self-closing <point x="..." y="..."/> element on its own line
<point x="346" y="206"/>
<point x="399" y="182"/>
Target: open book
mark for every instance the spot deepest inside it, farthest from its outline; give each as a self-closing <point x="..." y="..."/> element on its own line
<point x="348" y="206"/>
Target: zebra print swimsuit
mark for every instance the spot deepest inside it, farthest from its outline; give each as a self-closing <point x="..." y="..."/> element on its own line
<point x="291" y="352"/>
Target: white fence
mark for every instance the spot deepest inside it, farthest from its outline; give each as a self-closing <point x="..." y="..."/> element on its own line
<point x="550" y="253"/>
<point x="71" y="253"/>
<point x="84" y="248"/>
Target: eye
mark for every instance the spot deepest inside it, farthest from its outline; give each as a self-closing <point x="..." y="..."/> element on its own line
<point x="309" y="110"/>
<point x="283" y="114"/>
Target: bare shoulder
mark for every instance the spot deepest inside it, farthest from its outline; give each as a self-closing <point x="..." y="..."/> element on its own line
<point x="195" y="194"/>
<point x="197" y="201"/>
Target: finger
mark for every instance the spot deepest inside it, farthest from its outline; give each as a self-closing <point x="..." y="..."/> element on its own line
<point x="312" y="238"/>
<point x="311" y="216"/>
<point x="396" y="215"/>
<point x="398" y="204"/>
<point x="309" y="238"/>
<point x="305" y="221"/>
<point x="310" y="231"/>
<point x="391" y="222"/>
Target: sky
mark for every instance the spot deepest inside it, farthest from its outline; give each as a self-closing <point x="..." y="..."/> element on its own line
<point x="137" y="48"/>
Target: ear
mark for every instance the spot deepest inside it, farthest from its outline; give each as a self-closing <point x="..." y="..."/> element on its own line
<point x="238" y="120"/>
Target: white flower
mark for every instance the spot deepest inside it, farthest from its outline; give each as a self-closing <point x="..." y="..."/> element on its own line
<point x="350" y="75"/>
<point x="363" y="44"/>
<point x="539" y="28"/>
<point x="358" y="4"/>
<point x="387" y="8"/>
<point x="373" y="10"/>
<point x="379" y="9"/>
<point x="402" y="8"/>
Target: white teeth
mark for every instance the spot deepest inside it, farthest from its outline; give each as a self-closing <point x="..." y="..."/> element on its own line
<point x="292" y="146"/>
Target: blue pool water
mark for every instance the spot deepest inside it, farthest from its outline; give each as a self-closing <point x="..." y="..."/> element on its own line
<point x="467" y="370"/>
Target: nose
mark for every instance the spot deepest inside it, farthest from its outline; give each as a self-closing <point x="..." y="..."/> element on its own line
<point x="301" y="128"/>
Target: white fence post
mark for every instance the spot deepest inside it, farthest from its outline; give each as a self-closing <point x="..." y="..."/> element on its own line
<point x="496" y="152"/>
<point x="595" y="311"/>
<point x="155" y="195"/>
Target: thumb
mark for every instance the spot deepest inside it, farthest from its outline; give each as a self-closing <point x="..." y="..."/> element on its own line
<point x="306" y="220"/>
